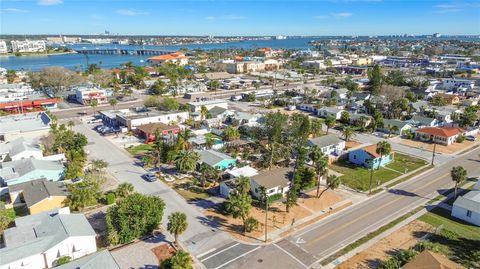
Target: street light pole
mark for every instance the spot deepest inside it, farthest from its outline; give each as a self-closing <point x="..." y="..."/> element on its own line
<point x="433" y="154"/>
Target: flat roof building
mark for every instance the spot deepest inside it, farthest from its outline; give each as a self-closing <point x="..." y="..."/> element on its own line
<point x="29" y="125"/>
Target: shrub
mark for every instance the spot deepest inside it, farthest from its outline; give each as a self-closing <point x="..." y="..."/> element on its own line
<point x="460" y="139"/>
<point x="62" y="260"/>
<point x="274" y="197"/>
<point x="251" y="224"/>
<point x="110" y="198"/>
<point x="392" y="263"/>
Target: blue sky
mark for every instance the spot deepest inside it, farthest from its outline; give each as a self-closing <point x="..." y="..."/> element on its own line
<point x="240" y="17"/>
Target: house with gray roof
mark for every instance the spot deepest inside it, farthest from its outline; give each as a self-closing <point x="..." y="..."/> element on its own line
<point x="246" y="118"/>
<point x="38" y="195"/>
<point x="467" y="206"/>
<point x="38" y="241"/>
<point x="422" y="121"/>
<point x="275" y="181"/>
<point x="101" y="259"/>
<point x="29" y="125"/>
<point x="19" y="149"/>
<point x="330" y="111"/>
<point x="329" y="144"/>
<point x="24" y="170"/>
<point x="396" y="127"/>
<point x="216" y="159"/>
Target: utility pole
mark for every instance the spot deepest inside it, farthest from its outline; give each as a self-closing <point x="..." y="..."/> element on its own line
<point x="266" y="217"/>
<point x="371" y="179"/>
<point x="433" y="154"/>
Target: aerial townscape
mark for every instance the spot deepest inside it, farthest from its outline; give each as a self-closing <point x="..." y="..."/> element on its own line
<point x="189" y="136"/>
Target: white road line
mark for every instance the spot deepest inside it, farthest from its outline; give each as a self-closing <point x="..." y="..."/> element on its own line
<point x="206" y="252"/>
<point x="289" y="254"/>
<point x="220" y="252"/>
<point x="236" y="258"/>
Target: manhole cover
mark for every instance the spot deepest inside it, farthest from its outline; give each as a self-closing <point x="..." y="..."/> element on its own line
<point x="260" y="260"/>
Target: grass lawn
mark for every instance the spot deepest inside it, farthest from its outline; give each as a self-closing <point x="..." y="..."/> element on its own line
<point x="403" y="162"/>
<point x="190" y="192"/>
<point x="441" y="217"/>
<point x="358" y="177"/>
<point x="140" y="149"/>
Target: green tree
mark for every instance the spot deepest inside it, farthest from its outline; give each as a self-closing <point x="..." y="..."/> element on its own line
<point x="238" y="205"/>
<point x="133" y="217"/>
<point x="169" y="104"/>
<point x="94" y="104"/>
<point x="330" y="122"/>
<point x="180" y="260"/>
<point x="113" y="102"/>
<point x="348" y="132"/>
<point x="177" y="224"/>
<point x="375" y="77"/>
<point x="125" y="189"/>
<point x="159" y="87"/>
<point x="316" y="127"/>
<point x="213" y="85"/>
<point x="7" y="216"/>
<point x="183" y="139"/>
<point x="62" y="260"/>
<point x="204" y="112"/>
<point x="186" y="161"/>
<point x="274" y="128"/>
<point x="85" y="193"/>
<point x="345" y="117"/>
<point x="320" y="163"/>
<point x="383" y="149"/>
<point x="152" y="101"/>
<point x="333" y="182"/>
<point x="157" y="148"/>
<point x="459" y="175"/>
<point x="231" y="133"/>
<point x="11" y="76"/>
<point x="99" y="164"/>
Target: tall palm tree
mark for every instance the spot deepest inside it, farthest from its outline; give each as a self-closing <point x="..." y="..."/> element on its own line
<point x="330" y="122"/>
<point x="203" y="112"/>
<point x="183" y="137"/>
<point x="113" y="102"/>
<point x="333" y="182"/>
<point x="177" y="224"/>
<point x="94" y="104"/>
<point x="320" y="162"/>
<point x="458" y="174"/>
<point x="348" y="132"/>
<point x="157" y="147"/>
<point x="383" y="149"/>
<point x="186" y="160"/>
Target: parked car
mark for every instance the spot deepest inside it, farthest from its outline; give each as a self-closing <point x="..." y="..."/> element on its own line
<point x="471" y="138"/>
<point x="150" y="177"/>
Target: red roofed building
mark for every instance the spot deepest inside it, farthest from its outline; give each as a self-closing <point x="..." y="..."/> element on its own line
<point x="439" y="135"/>
<point x="176" y="58"/>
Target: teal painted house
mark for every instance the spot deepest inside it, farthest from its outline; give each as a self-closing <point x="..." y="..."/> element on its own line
<point x="25" y="170"/>
<point x="216" y="159"/>
<point x="367" y="156"/>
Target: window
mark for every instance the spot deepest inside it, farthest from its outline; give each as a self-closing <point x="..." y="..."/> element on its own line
<point x="354" y="157"/>
<point x="469" y="213"/>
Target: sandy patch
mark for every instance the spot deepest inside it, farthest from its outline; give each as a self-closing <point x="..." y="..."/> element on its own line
<point x="404" y="238"/>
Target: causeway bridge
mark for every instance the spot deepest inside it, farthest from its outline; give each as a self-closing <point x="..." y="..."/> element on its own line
<point x="113" y="51"/>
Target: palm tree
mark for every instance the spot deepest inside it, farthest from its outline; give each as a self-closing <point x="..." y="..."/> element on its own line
<point x="209" y="141"/>
<point x="181" y="259"/>
<point x="113" y="102"/>
<point x="177" y="224"/>
<point x="330" y="122"/>
<point x="383" y="149"/>
<point x="203" y="112"/>
<point x="94" y="104"/>
<point x="320" y="162"/>
<point x="70" y="124"/>
<point x="157" y="148"/>
<point x="333" y="182"/>
<point x="186" y="160"/>
<point x="183" y="137"/>
<point x="231" y="133"/>
<point x="125" y="189"/>
<point x="348" y="132"/>
<point x="316" y="127"/>
<point x="459" y="174"/>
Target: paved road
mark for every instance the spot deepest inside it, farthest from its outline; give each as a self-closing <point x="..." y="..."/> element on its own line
<point x="308" y="246"/>
<point x="199" y="237"/>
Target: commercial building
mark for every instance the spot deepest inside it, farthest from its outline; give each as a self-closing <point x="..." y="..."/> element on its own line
<point x="38" y="241"/>
<point x="28" y="45"/>
<point x="174" y="58"/>
<point x="3" y="47"/>
<point x="30" y="125"/>
<point x="132" y="118"/>
<point x="85" y="95"/>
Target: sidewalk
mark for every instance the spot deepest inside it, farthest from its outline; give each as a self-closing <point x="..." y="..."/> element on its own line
<point x="388" y="232"/>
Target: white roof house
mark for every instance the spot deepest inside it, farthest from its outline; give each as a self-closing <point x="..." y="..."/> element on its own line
<point x="467" y="207"/>
<point x="19" y="149"/>
<point x="29" y="125"/>
<point x="38" y="240"/>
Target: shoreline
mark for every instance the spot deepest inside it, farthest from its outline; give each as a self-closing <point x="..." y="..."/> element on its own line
<point x="36" y="54"/>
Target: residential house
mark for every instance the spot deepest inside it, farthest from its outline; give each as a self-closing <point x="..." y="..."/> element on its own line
<point x="19" y="149"/>
<point x="148" y="131"/>
<point x="313" y="108"/>
<point x="359" y="118"/>
<point x="29" y="126"/>
<point x="330" y="111"/>
<point x="101" y="259"/>
<point x="38" y="195"/>
<point x="275" y="181"/>
<point x="455" y="83"/>
<point x="368" y="156"/>
<point x="216" y="159"/>
<point x="467" y="206"/>
<point x="329" y="144"/>
<point x="451" y="99"/>
<point x="38" y="241"/>
<point x="421" y="121"/>
<point x="25" y="170"/>
<point x="430" y="260"/>
<point x="196" y="107"/>
<point x="200" y="142"/>
<point x="396" y="127"/>
<point x="228" y="186"/>
<point x="440" y="135"/>
<point x="245" y="118"/>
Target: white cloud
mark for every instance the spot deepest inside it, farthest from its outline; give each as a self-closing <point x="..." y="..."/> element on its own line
<point x="321" y="17"/>
<point x="49" y="2"/>
<point x="448" y="10"/>
<point x="342" y="14"/>
<point x="130" y="12"/>
<point x="13" y="10"/>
